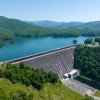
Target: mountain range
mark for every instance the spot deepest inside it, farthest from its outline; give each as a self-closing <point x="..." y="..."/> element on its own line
<point x="10" y="28"/>
<point x="55" y="24"/>
<point x="95" y="25"/>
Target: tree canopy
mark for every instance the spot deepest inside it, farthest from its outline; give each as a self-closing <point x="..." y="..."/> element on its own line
<point x="27" y="76"/>
<point x="88" y="41"/>
<point x="87" y="59"/>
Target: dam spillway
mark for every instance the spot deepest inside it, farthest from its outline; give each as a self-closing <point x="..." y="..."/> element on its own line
<point x="59" y="61"/>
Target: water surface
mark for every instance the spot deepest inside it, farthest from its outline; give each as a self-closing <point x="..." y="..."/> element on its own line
<point x="29" y="46"/>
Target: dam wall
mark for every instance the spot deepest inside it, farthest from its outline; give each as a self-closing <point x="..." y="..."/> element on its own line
<point x="59" y="61"/>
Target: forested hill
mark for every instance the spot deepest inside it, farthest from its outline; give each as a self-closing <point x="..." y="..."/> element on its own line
<point x="87" y="59"/>
<point x="9" y="28"/>
<point x="17" y="27"/>
<point x="13" y="27"/>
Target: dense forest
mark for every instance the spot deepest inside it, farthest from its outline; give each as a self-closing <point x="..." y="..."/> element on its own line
<point x="87" y="59"/>
<point x="27" y="76"/>
<point x="10" y="28"/>
<point x="21" y="28"/>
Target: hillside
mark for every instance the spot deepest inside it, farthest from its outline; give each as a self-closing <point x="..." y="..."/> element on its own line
<point x="10" y="28"/>
<point x="22" y="83"/>
<point x="56" y="25"/>
<point x="87" y="60"/>
<point x="5" y="34"/>
<point x="9" y="91"/>
<point x="86" y="28"/>
<point x="17" y="27"/>
<point x="20" y="28"/>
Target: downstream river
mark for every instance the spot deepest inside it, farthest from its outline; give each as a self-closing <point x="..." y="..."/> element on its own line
<point x="29" y="46"/>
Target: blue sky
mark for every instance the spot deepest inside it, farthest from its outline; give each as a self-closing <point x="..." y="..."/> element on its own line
<point x="57" y="10"/>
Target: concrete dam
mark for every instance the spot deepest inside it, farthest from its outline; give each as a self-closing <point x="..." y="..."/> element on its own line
<point x="59" y="61"/>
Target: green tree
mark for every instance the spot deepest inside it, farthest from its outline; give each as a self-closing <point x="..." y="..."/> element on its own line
<point x="19" y="95"/>
<point x="88" y="41"/>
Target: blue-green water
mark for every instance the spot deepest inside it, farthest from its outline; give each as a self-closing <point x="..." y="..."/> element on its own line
<point x="28" y="46"/>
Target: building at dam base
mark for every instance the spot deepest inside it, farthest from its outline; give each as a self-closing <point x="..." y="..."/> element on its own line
<point x="71" y="74"/>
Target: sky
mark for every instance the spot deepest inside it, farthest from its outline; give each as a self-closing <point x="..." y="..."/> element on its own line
<point x="56" y="10"/>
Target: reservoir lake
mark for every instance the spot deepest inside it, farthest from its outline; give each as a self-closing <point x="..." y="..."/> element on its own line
<point x="24" y="46"/>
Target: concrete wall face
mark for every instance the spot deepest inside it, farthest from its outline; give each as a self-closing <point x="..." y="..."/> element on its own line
<point x="59" y="62"/>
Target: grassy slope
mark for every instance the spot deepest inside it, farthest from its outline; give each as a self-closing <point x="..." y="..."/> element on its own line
<point x="97" y="94"/>
<point x="49" y="92"/>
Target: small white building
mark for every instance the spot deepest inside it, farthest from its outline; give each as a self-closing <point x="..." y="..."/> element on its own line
<point x="71" y="74"/>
